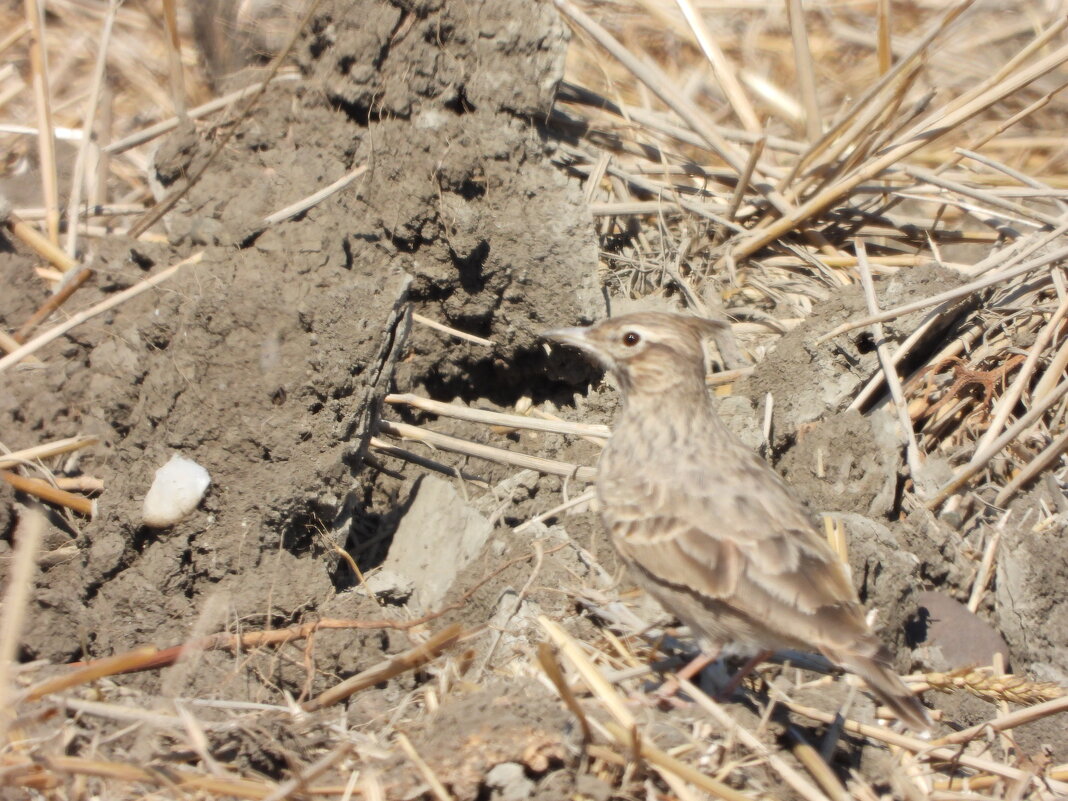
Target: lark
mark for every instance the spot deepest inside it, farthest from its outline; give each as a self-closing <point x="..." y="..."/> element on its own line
<point x="706" y="526"/>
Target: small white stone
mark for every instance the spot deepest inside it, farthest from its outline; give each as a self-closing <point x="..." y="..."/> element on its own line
<point x="175" y="492"/>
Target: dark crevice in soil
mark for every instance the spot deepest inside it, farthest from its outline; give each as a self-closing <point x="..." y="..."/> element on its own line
<point x="916" y="627"/>
<point x="470" y="269"/>
<point x="402" y="244"/>
<point x="459" y="105"/>
<point x="865" y="342"/>
<point x="899" y="499"/>
<point x="300" y="534"/>
<point x="346" y="248"/>
<point x="362" y="114"/>
<point x="527" y="375"/>
<point x="186" y="561"/>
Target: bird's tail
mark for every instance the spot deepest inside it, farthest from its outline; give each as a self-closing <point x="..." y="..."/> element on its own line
<point x="887" y="687"/>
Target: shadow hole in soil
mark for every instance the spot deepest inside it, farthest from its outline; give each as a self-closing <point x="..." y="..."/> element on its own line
<point x="869" y="579"/>
<point x="916" y="627"/>
<point x="528" y="373"/>
<point x="369" y="538"/>
<point x="842" y="760"/>
<point x="459" y="104"/>
<point x="403" y="244"/>
<point x="921" y="355"/>
<point x="186" y="561"/>
<point x="300" y="533"/>
<point x="157" y="335"/>
<point x="472" y="188"/>
<point x="899" y="499"/>
<point x="121" y="422"/>
<point x="865" y="343"/>
<point x="346" y="248"/>
<point x="470" y="268"/>
<point x="362" y="114"/>
<point x="141" y="260"/>
<point x="777" y="447"/>
<point x="143" y="536"/>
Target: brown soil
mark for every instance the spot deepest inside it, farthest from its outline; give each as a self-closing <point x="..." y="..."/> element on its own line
<point x="267" y="362"/>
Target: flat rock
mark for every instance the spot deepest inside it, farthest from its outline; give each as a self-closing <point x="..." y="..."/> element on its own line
<point x="437" y="538"/>
<point x="952" y="635"/>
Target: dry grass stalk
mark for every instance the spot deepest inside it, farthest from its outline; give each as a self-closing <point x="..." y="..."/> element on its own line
<point x="436" y="787"/>
<point x="46" y="492"/>
<point x="487" y="452"/>
<point x="71" y="285"/>
<point x="806" y="70"/>
<point x="53" y="771"/>
<point x="979" y="461"/>
<point x="174" y="57"/>
<point x="177" y="192"/>
<point x="597" y="684"/>
<point x="418" y="318"/>
<point x="665" y="762"/>
<point x="547" y="660"/>
<point x="658" y="83"/>
<point x="402" y="663"/>
<point x="217" y="104"/>
<point x="9" y="344"/>
<point x="510" y="421"/>
<point x="41" y="245"/>
<point x="88" y="144"/>
<point x="45" y="130"/>
<point x="16" y="594"/>
<point x="389" y="449"/>
<point x="957" y="293"/>
<point x="1033" y="469"/>
<point x="302" y="782"/>
<point x="986" y="567"/>
<point x="883" y="37"/>
<point x="724" y="72"/>
<point x="302" y="205"/>
<point x="926" y="750"/>
<point x="642" y="150"/>
<point x="799" y="783"/>
<point x="909" y="142"/>
<point x="586" y="497"/>
<point x="1009" y="721"/>
<point x="108" y="666"/>
<point x="110" y="303"/>
<point x="815" y="764"/>
<point x="912" y="448"/>
<point x="43" y="451"/>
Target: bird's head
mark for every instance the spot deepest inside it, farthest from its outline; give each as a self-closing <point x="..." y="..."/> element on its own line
<point x="648" y="352"/>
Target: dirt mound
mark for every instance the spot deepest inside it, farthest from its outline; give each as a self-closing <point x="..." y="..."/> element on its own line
<point x="265" y="363"/>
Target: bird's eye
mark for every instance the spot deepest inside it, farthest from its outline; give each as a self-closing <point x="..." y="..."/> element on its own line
<point x="630" y="339"/>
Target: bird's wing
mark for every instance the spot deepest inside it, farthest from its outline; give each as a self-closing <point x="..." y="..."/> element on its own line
<point x="752" y="549"/>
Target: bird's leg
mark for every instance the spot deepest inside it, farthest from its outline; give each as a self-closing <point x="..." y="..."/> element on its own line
<point x="736" y="680"/>
<point x="666" y="694"/>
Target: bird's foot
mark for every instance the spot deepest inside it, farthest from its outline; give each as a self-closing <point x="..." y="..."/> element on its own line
<point x="728" y="691"/>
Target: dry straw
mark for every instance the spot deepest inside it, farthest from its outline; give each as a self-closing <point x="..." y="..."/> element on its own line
<point x="750" y="158"/>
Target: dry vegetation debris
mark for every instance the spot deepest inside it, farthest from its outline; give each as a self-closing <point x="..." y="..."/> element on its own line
<point x="873" y="194"/>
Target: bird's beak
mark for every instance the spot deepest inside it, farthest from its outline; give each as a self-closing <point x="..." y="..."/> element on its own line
<point x="575" y="337"/>
<point x="579" y="338"/>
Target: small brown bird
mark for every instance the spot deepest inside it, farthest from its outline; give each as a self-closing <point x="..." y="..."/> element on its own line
<point x="706" y="526"/>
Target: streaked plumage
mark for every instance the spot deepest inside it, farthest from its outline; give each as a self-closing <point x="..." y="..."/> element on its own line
<point x="705" y="525"/>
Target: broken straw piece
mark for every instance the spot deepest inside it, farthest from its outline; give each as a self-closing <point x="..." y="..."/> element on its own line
<point x="175" y="492"/>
